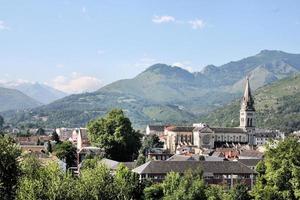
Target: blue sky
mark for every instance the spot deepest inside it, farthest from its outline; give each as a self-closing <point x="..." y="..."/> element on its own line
<point x="81" y="45"/>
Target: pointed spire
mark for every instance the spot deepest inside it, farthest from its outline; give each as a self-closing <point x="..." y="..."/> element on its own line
<point x="248" y="102"/>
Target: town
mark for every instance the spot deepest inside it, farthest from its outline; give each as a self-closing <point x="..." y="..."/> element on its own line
<point x="227" y="157"/>
<point x="149" y="100"/>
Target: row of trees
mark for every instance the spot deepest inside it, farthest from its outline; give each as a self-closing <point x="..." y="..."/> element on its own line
<point x="25" y="177"/>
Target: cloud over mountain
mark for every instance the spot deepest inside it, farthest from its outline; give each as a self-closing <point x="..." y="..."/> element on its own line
<point x="76" y="83"/>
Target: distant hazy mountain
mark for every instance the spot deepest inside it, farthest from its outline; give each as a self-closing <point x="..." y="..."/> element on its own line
<point x="37" y="91"/>
<point x="166" y="94"/>
<point x="277" y="106"/>
<point x="11" y="99"/>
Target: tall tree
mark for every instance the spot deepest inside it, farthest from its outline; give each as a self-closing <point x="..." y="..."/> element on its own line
<point x="9" y="167"/>
<point x="46" y="182"/>
<point x="279" y="172"/>
<point x="115" y="135"/>
<point x="127" y="184"/>
<point x="67" y="152"/>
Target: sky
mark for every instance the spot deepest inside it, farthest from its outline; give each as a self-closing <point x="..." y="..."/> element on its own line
<point x="82" y="45"/>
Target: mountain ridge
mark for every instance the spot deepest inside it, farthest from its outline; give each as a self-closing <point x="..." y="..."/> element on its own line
<point x="162" y="89"/>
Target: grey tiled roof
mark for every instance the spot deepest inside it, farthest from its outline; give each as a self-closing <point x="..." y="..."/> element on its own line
<point x="158" y="128"/>
<point x="228" y="130"/>
<point x="216" y="167"/>
<point x="251" y="153"/>
<point x="177" y="157"/>
<point x="249" y="162"/>
<point x="180" y="128"/>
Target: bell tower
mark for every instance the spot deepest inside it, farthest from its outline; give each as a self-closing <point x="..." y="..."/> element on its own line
<point x="247" y="112"/>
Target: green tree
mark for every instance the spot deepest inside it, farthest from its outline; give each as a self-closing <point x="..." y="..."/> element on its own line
<point x="127" y="184"/>
<point x="188" y="187"/>
<point x="217" y="192"/>
<point x="67" y="152"/>
<point x="9" y="167"/>
<point x="149" y="142"/>
<point x="115" y="135"/>
<point x="96" y="183"/>
<point x="46" y="182"/>
<point x="279" y="173"/>
<point x="241" y="192"/>
<point x="154" y="192"/>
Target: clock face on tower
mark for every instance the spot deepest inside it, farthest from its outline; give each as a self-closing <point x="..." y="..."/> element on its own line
<point x="206" y="139"/>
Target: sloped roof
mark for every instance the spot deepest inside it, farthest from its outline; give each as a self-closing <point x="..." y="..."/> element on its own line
<point x="249" y="162"/>
<point x="227" y="130"/>
<point x="158" y="128"/>
<point x="251" y="153"/>
<point x="177" y="157"/>
<point x="217" y="167"/>
<point x="180" y="128"/>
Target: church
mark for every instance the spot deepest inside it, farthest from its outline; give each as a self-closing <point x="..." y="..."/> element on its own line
<point x="204" y="136"/>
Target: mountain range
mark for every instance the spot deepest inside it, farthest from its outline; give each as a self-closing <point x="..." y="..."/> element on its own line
<point x="166" y="94"/>
<point x="40" y="92"/>
<point x="13" y="99"/>
<point x="277" y="106"/>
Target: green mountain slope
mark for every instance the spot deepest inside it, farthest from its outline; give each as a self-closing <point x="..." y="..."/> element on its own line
<point x="11" y="99"/>
<point x="277" y="106"/>
<point x="40" y="92"/>
<point x="166" y="94"/>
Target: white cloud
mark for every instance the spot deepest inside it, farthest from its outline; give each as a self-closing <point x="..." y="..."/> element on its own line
<point x="3" y="26"/>
<point x="14" y="83"/>
<point x="163" y="19"/>
<point x="76" y="83"/>
<point x="184" y="65"/>
<point x="197" y="24"/>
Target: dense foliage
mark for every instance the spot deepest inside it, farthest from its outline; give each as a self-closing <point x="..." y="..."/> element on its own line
<point x="66" y="152"/>
<point x="115" y="135"/>
<point x="279" y="173"/>
<point x="9" y="167"/>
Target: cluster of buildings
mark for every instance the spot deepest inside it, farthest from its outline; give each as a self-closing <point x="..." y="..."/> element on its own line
<point x="201" y="137"/>
<point x="226" y="156"/>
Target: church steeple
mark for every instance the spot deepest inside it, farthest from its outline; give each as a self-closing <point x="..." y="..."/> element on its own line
<point x="248" y="102"/>
<point x="247" y="112"/>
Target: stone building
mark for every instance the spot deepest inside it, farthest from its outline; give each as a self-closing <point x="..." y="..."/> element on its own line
<point x="204" y="136"/>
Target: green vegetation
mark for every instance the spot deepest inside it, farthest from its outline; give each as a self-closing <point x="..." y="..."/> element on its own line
<point x="11" y="99"/>
<point x="115" y="135"/>
<point x="279" y="173"/>
<point x="67" y="152"/>
<point x="24" y="177"/>
<point x="9" y="167"/>
<point x="277" y="107"/>
<point x="164" y="94"/>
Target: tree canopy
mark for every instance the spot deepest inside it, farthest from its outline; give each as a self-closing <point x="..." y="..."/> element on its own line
<point x="115" y="135"/>
<point x="279" y="172"/>
<point x="9" y="167"/>
<point x="67" y="152"/>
